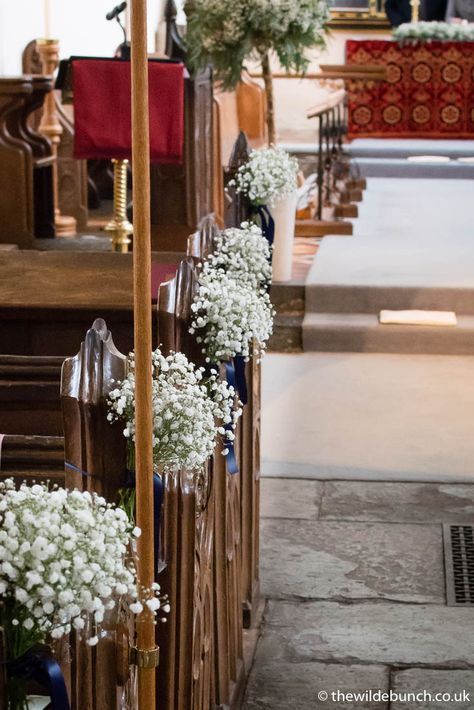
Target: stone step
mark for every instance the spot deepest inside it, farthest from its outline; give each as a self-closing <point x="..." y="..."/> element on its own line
<point x="327" y="298"/>
<point x="361" y="332"/>
<point x="287" y="333"/>
<point x="403" y="168"/>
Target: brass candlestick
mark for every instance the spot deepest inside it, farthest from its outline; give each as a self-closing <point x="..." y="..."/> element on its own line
<point x="50" y="126"/>
<point x="415" y="10"/>
<point x="119" y="227"/>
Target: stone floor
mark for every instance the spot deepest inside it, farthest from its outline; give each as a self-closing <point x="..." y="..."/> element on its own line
<point x="356" y="602"/>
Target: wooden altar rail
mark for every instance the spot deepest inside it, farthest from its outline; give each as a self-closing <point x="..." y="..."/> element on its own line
<point x="333" y="170"/>
<point x="369" y="72"/>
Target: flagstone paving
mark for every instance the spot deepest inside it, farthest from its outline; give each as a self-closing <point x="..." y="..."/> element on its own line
<point x="354" y="580"/>
<point x="418" y="680"/>
<point x="331" y="560"/>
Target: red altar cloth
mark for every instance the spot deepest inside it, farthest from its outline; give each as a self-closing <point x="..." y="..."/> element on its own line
<point x="429" y="92"/>
<point x="102" y="109"/>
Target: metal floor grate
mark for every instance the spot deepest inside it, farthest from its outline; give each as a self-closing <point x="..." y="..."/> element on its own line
<point x="459" y="564"/>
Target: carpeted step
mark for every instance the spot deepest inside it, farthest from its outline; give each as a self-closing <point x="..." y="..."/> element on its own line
<point x="403" y="168"/>
<point x="406" y="147"/>
<point x="326" y="298"/>
<point x="361" y="332"/>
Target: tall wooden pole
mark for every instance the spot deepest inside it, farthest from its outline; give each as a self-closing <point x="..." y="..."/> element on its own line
<point x="143" y="339"/>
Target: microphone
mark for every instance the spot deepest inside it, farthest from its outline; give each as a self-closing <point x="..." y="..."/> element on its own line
<point x="116" y="11"/>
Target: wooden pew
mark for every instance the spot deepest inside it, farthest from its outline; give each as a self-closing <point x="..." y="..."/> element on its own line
<point x="95" y="461"/>
<point x="26" y="201"/>
<point x="238" y="211"/>
<point x="187" y="640"/>
<point x="30" y="419"/>
<point x="29" y="395"/>
<point x="32" y="458"/>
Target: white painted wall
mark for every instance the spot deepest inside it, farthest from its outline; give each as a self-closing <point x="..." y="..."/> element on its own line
<point x="293" y="97"/>
<point x="80" y="26"/>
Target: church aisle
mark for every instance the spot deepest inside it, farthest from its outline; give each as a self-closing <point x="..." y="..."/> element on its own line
<point x="367" y="451"/>
<point x="368" y="416"/>
<point x="354" y="577"/>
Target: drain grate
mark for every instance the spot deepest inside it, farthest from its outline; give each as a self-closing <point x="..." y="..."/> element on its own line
<point x="459" y="564"/>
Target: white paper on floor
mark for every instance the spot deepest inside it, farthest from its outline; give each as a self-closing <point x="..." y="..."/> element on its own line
<point x="414" y="317"/>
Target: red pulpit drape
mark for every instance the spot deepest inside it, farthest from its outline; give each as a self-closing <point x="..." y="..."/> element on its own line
<point x="102" y="109"/>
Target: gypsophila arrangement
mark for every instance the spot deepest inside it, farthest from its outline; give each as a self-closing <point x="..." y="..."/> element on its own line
<point x="65" y="562"/>
<point x="230" y="316"/>
<point x="190" y="411"/>
<point x="426" y="31"/>
<point x="267" y="176"/>
<point x="243" y="254"/>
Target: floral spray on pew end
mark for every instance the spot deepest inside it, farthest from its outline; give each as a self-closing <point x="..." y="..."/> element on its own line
<point x="269" y="181"/>
<point x="244" y="254"/>
<point x="230" y="316"/>
<point x="192" y="410"/>
<point x="66" y="561"/>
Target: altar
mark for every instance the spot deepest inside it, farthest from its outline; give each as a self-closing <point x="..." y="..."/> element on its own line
<point x="428" y="92"/>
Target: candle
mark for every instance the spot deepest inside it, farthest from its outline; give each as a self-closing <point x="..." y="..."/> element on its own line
<point x="47" y="18"/>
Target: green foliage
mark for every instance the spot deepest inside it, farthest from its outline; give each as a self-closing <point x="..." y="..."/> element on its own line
<point x="225" y="33"/>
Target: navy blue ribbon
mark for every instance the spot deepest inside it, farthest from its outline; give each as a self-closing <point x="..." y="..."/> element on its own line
<point x="39" y="665"/>
<point x="240" y="381"/>
<point x="158" y="491"/>
<point x="231" y="458"/>
<point x="267" y="222"/>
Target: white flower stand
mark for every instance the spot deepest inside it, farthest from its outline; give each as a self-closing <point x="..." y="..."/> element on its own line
<point x="284" y="216"/>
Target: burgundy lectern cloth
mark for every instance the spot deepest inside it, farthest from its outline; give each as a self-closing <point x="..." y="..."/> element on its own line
<point x="102" y="109"/>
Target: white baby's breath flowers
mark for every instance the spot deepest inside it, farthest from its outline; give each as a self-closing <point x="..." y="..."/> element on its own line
<point x="64" y="562"/>
<point x="230" y="316"/>
<point x="426" y="31"/>
<point x="190" y="411"/>
<point x="267" y="176"/>
<point x="243" y="254"/>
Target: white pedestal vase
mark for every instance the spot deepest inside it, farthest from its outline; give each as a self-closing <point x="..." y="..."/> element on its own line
<point x="284" y="216"/>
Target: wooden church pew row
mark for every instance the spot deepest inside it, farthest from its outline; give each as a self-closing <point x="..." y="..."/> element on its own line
<point x="207" y="626"/>
<point x="238" y="211"/>
<point x="32" y="458"/>
<point x="95" y="461"/>
<point x="29" y="395"/>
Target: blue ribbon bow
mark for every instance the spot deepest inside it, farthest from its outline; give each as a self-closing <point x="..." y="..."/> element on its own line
<point x="231" y="458"/>
<point x="38" y="664"/>
<point x="240" y="381"/>
<point x="267" y="222"/>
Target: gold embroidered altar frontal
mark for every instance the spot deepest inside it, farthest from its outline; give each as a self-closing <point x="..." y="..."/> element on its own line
<point x="429" y="91"/>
